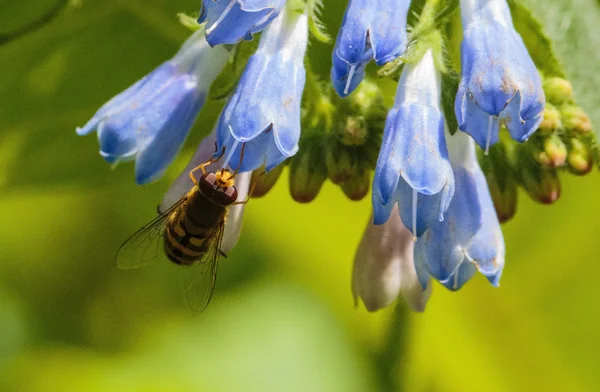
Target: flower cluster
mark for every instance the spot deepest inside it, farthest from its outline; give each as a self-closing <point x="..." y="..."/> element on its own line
<point x="436" y="212"/>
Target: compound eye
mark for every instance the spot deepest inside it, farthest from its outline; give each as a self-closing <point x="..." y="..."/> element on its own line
<point x="225" y="196"/>
<point x="207" y="183"/>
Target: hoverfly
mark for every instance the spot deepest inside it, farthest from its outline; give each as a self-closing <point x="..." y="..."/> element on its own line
<point x="190" y="232"/>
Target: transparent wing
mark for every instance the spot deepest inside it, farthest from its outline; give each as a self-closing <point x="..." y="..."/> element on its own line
<point x="200" y="278"/>
<point x="147" y="243"/>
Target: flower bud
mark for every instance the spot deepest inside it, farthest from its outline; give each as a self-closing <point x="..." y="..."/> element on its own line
<point x="542" y="185"/>
<point x="339" y="163"/>
<point x="355" y="131"/>
<point x="543" y="158"/>
<point x="357" y="186"/>
<point x="384" y="267"/>
<point x="575" y="119"/>
<point x="555" y="150"/>
<point x="501" y="182"/>
<point x="307" y="173"/>
<point x="551" y="122"/>
<point x="360" y="115"/>
<point x="504" y="197"/>
<point x="580" y="159"/>
<point x="262" y="182"/>
<point x="558" y="90"/>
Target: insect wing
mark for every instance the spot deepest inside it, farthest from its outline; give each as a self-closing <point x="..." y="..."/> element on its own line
<point x="147" y="243"/>
<point x="200" y="278"/>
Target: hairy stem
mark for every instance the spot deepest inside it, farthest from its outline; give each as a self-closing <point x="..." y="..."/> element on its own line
<point x="391" y="360"/>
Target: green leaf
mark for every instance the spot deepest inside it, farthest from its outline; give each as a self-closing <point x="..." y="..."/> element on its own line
<point x="574" y="27"/>
<point x="539" y="45"/>
<point x="316" y="27"/>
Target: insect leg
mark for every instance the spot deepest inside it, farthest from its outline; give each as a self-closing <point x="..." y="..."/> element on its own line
<point x="203" y="165"/>
<point x="252" y="188"/>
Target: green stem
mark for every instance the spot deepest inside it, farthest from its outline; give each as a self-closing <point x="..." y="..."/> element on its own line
<point x="425" y="35"/>
<point x="390" y="361"/>
<point x="429" y="12"/>
<point x="434" y="14"/>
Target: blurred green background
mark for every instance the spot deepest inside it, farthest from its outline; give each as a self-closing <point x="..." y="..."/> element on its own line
<point x="282" y="318"/>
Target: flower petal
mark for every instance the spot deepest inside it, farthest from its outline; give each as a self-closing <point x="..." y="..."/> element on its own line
<point x="230" y="21"/>
<point x="150" y="120"/>
<point x="264" y="111"/>
<point x="499" y="79"/>
<point x="469" y="238"/>
<point x="413" y="167"/>
<point x="371" y="29"/>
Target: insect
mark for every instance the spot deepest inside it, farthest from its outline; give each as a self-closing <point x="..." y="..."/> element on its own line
<point x="190" y="232"/>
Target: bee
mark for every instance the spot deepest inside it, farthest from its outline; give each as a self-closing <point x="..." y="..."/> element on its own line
<point x="190" y="232"/>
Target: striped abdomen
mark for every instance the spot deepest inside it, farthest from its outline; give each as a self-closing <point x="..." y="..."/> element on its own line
<point x="190" y="229"/>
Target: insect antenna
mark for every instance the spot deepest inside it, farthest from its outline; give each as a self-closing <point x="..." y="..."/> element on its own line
<point x="202" y="166"/>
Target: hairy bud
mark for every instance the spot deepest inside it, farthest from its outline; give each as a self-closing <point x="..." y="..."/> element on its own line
<point x="307" y="173"/>
<point x="558" y="90"/>
<point x="262" y="182"/>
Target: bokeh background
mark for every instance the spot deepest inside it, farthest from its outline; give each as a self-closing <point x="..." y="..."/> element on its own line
<point x="282" y="318"/>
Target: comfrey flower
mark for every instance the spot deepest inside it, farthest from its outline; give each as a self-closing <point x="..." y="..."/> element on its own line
<point x="371" y="30"/>
<point x="230" y="21"/>
<point x="427" y="185"/>
<point x="384" y="267"/>
<point x="469" y="239"/>
<point x="150" y="120"/>
<point x="500" y="82"/>
<point x="413" y="167"/>
<point x="183" y="183"/>
<point x="264" y="111"/>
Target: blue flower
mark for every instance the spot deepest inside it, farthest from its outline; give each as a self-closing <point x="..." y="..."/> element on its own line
<point x="150" y="120"/>
<point x="500" y="82"/>
<point x="230" y="21"/>
<point x="264" y="111"/>
<point x="413" y="166"/>
<point x="371" y="29"/>
<point x="469" y="239"/>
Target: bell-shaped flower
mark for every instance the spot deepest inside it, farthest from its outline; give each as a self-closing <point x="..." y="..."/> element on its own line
<point x="469" y="239"/>
<point x="384" y="267"/>
<point x="500" y="83"/>
<point x="230" y="21"/>
<point x="183" y="183"/>
<point x="413" y="167"/>
<point x="263" y="115"/>
<point x="150" y="120"/>
<point x="371" y="30"/>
